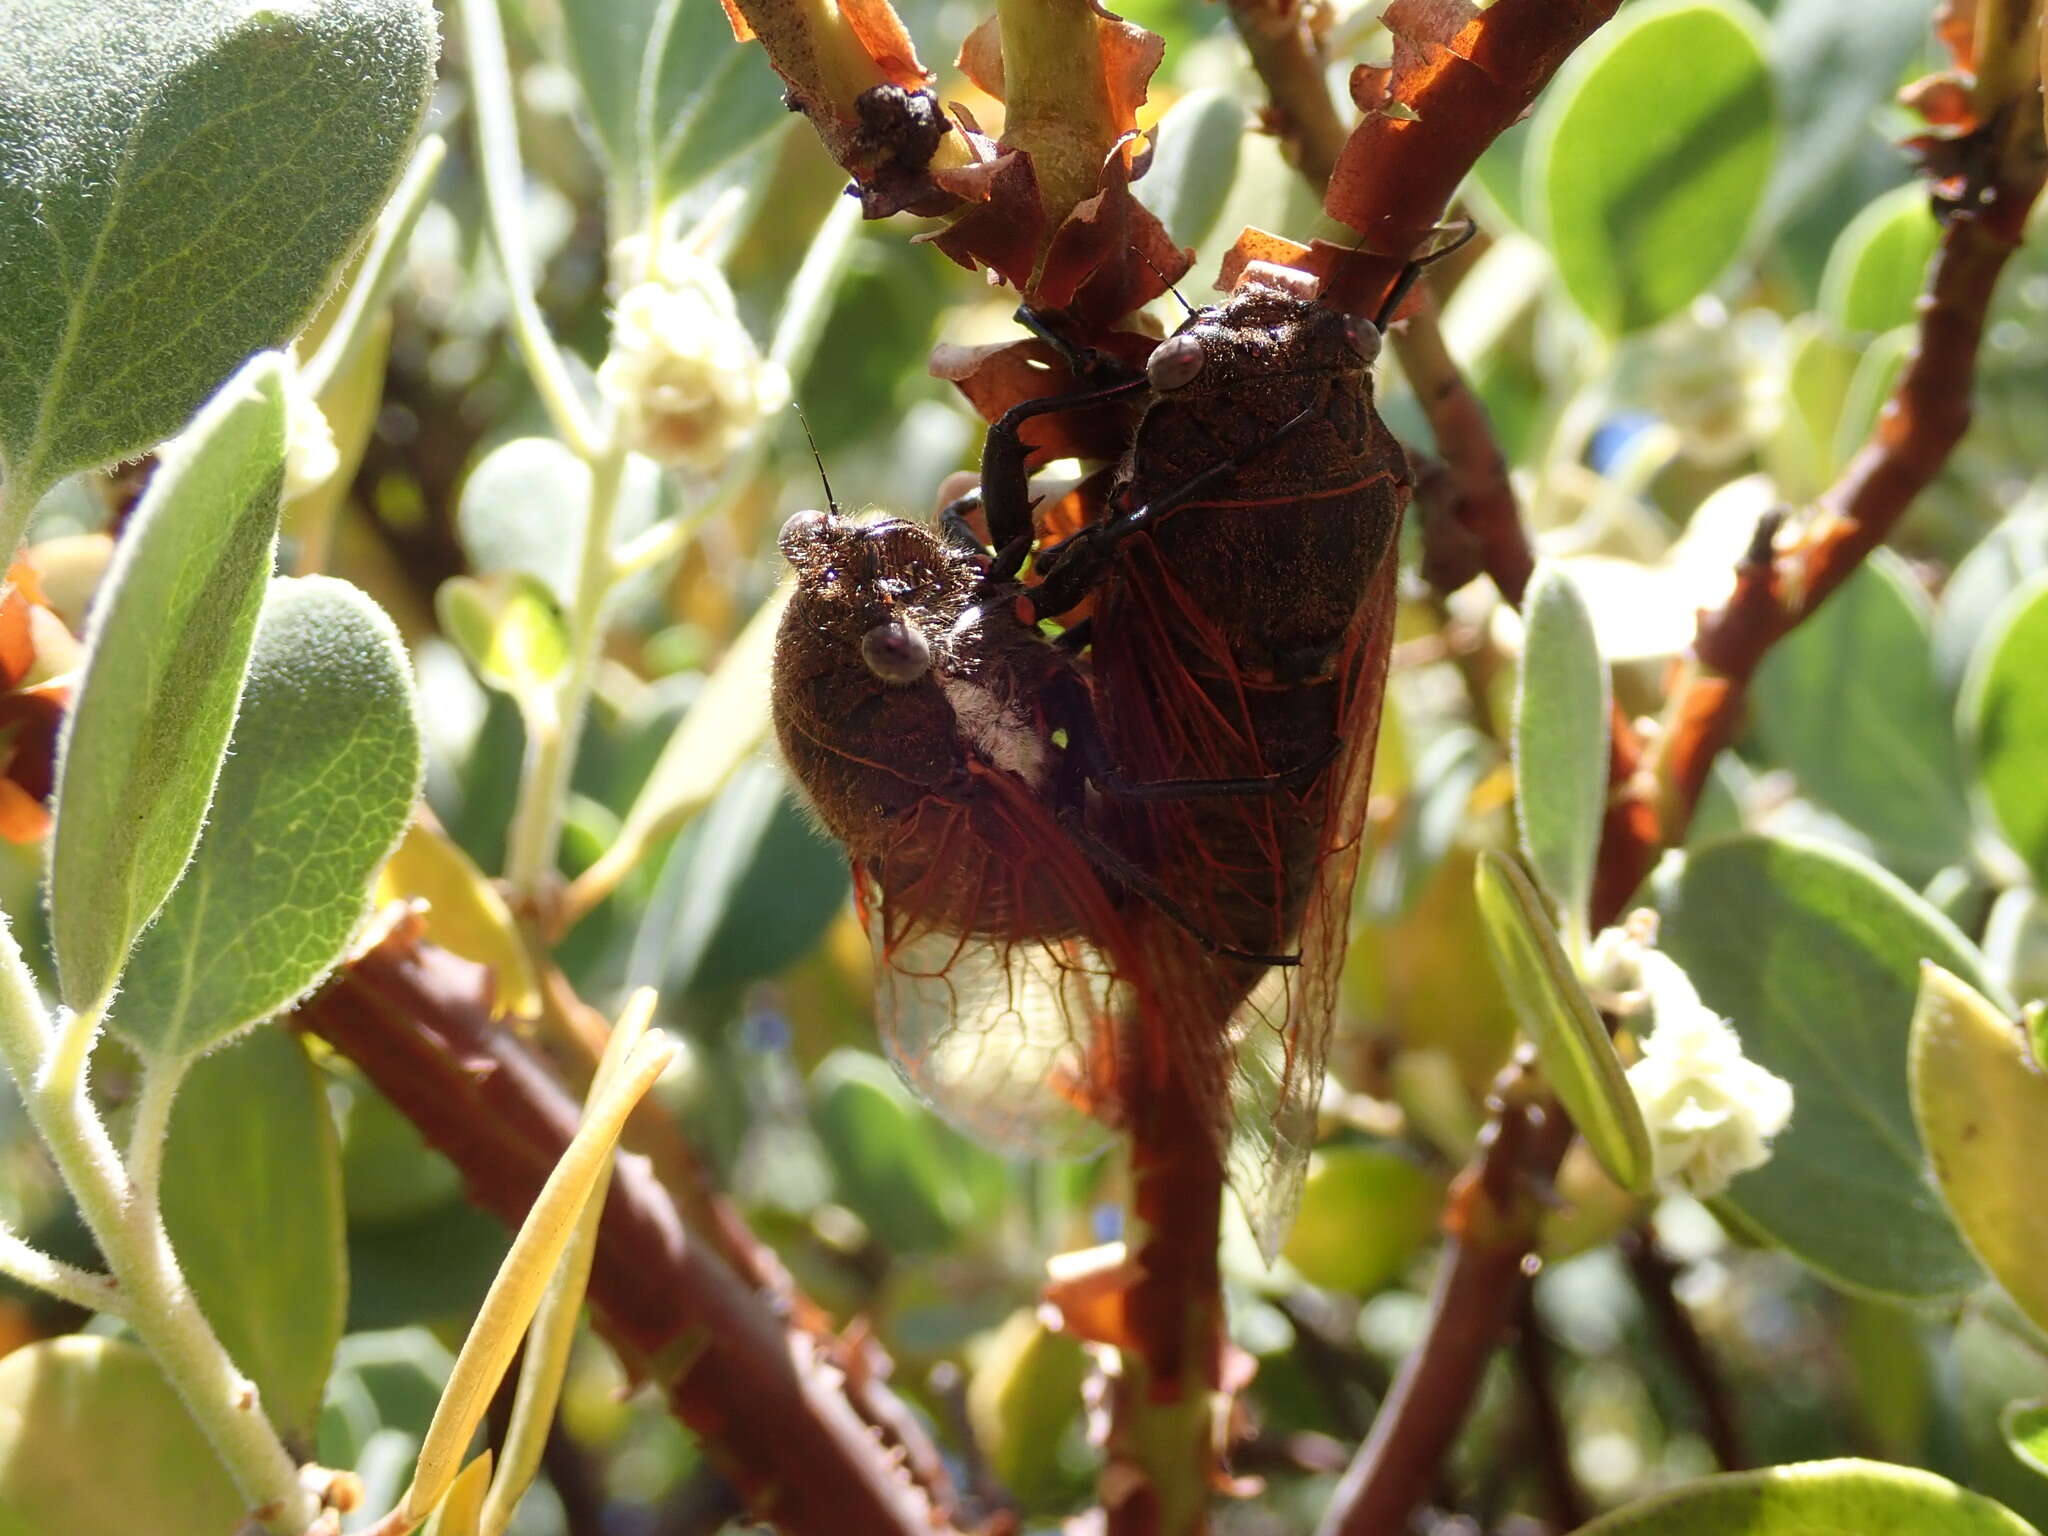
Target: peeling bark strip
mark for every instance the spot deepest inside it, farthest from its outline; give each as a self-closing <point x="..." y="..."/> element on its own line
<point x="773" y="1406"/>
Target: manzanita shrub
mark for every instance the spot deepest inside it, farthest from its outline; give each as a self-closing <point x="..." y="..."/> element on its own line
<point x="392" y="448"/>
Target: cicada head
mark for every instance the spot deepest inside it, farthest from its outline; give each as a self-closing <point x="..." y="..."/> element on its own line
<point x="859" y="698"/>
<point x="1271" y="327"/>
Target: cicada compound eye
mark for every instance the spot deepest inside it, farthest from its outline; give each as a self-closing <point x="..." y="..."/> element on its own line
<point x="1364" y="337"/>
<point x="1174" y="362"/>
<point x="895" y="652"/>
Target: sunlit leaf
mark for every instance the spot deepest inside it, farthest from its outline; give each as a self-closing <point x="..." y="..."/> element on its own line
<point x="1650" y="156"/>
<point x="885" y="1155"/>
<point x="169" y="644"/>
<point x="1198" y="139"/>
<point x="606" y="42"/>
<point x="510" y="629"/>
<point x="523" y="509"/>
<point x="1809" y="1498"/>
<point x="1560" y="742"/>
<point x="465" y="912"/>
<point x="1814" y="955"/>
<point x="1982" y="1109"/>
<point x="59" y="1401"/>
<point x="1365" y="1213"/>
<point x="706" y="100"/>
<point x="252" y="1201"/>
<point x="178" y="181"/>
<point x="1578" y="1059"/>
<point x="1879" y="262"/>
<point x="1022" y="1400"/>
<point x="320" y="784"/>
<point x="1976" y="590"/>
<point x="2026" y="1431"/>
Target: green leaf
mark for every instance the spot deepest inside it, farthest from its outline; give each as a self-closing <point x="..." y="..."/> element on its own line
<point x="1198" y="138"/>
<point x="93" y="1442"/>
<point x="1994" y="1358"/>
<point x="1837" y="62"/>
<point x="1560" y="743"/>
<point x="1815" y="954"/>
<point x="1571" y="1042"/>
<point x="2025" y="1426"/>
<point x="1815" y="1498"/>
<point x="2005" y="716"/>
<point x="1879" y="262"/>
<point x="1982" y="1109"/>
<point x="389" y="1175"/>
<point x="523" y="509"/>
<point x="179" y="180"/>
<point x="1650" y="157"/>
<point x="705" y="99"/>
<point x="1849" y="703"/>
<point x="746" y="895"/>
<point x="1023" y="1401"/>
<point x="252" y="1201"/>
<point x="169" y="644"/>
<point x="1366" y="1211"/>
<point x="885" y="1155"/>
<point x="1819" y="368"/>
<point x="509" y="628"/>
<point x="318" y="789"/>
<point x="1869" y="387"/>
<point x="607" y="40"/>
<point x="1977" y="589"/>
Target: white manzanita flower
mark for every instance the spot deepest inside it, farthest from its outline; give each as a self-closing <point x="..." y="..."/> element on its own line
<point x="310" y="456"/>
<point x="1711" y="1111"/>
<point x="685" y="377"/>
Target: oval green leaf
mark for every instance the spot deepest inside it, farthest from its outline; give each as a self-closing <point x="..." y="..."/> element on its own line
<point x="705" y="99"/>
<point x="523" y="508"/>
<point x="1560" y="742"/>
<point x="1651" y="155"/>
<point x="1023" y="1401"/>
<point x="2005" y="716"/>
<point x="1982" y="1109"/>
<point x="1195" y="161"/>
<point x="885" y="1154"/>
<point x="93" y="1442"/>
<point x="1814" y="954"/>
<point x="179" y="180"/>
<point x="1849" y="703"/>
<point x="316" y="792"/>
<point x="1869" y="387"/>
<point x="1571" y="1042"/>
<point x="168" y="647"/>
<point x="509" y="628"/>
<point x="1365" y="1212"/>
<point x="252" y="1200"/>
<point x="1815" y="1498"/>
<point x="1879" y="262"/>
<point x="606" y="42"/>
<point x="1975" y="593"/>
<point x="2025" y="1427"/>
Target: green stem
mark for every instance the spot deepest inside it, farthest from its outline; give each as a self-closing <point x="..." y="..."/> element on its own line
<point x="497" y="136"/>
<point x="148" y="1133"/>
<point x="154" y="1297"/>
<point x="551" y="747"/>
<point x="30" y="1266"/>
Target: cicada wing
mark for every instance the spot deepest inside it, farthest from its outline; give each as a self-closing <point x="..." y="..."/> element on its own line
<point x="1285" y="1028"/>
<point x="998" y="1007"/>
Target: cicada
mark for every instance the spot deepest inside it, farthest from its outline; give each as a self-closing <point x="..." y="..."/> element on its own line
<point x="1242" y="571"/>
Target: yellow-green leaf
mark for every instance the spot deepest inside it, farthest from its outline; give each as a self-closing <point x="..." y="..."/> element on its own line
<point x="1982" y="1109"/>
<point x="1578" y="1059"/>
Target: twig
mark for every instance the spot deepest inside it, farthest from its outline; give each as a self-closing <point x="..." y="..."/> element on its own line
<point x="1546" y="1421"/>
<point x="1653" y="1272"/>
<point x="1276" y="34"/>
<point x="765" y="1400"/>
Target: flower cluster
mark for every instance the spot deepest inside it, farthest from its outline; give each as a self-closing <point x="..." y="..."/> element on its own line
<point x="687" y="380"/>
<point x="1711" y="1111"/>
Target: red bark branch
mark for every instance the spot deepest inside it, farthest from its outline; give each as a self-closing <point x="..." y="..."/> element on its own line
<point x="777" y="1408"/>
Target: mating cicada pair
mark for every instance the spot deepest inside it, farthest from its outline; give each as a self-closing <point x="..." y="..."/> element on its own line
<point x="1105" y="818"/>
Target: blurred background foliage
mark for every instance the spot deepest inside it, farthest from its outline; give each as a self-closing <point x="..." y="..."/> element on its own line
<point x="1658" y="381"/>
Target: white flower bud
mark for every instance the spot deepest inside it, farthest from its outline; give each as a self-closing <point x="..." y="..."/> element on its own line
<point x="1711" y="1110"/>
<point x="310" y="457"/>
<point x="685" y="377"/>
